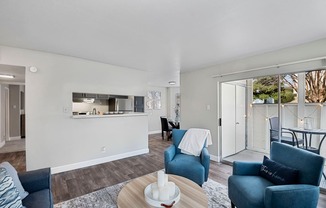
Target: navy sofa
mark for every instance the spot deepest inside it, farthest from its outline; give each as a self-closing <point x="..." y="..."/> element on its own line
<point x="38" y="184"/>
<point x="248" y="189"/>
<point x="188" y="166"/>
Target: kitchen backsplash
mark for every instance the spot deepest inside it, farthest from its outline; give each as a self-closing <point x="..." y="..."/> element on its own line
<point x="88" y="107"/>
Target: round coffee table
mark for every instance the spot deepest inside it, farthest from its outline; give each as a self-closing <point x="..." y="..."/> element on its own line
<point x="132" y="194"/>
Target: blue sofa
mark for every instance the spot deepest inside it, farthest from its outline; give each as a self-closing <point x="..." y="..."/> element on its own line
<point x="188" y="166"/>
<point x="38" y="184"/>
<point x="248" y="189"/>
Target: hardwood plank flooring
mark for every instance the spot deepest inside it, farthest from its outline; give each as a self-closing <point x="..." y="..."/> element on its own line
<point x="16" y="159"/>
<point x="75" y="183"/>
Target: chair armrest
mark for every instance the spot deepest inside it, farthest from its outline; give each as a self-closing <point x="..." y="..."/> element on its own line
<point x="205" y="160"/>
<point x="36" y="180"/>
<point x="246" y="168"/>
<point x="291" y="196"/>
<point x="169" y="154"/>
<point x="287" y="132"/>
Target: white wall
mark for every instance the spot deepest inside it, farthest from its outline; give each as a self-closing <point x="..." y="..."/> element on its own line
<point x="195" y="97"/>
<point x="154" y="122"/>
<point x="2" y="115"/>
<point x="172" y="101"/>
<point x="53" y="138"/>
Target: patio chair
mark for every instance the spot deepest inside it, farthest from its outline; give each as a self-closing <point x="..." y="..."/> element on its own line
<point x="286" y="136"/>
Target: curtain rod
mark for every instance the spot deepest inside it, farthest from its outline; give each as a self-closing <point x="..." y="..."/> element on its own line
<point x="268" y="67"/>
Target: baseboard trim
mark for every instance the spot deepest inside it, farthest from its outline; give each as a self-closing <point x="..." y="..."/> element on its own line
<point x="88" y="163"/>
<point x="154" y="132"/>
<point x="215" y="158"/>
<point x="2" y="144"/>
<point x="14" y="138"/>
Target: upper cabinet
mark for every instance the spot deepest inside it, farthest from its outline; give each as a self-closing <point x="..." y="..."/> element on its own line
<point x="139" y="104"/>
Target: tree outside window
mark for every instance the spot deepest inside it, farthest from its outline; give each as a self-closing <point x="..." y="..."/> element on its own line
<point x="265" y="90"/>
<point x="315" y="85"/>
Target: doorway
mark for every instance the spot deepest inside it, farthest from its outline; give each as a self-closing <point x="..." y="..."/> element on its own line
<point x="233" y="117"/>
<point x="12" y="108"/>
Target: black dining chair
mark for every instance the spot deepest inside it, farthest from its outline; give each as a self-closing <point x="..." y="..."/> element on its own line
<point x="286" y="136"/>
<point x="165" y="128"/>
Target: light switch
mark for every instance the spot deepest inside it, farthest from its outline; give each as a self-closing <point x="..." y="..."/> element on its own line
<point x="208" y="107"/>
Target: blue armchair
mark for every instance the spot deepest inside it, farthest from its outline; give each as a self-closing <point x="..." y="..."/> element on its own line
<point x="188" y="166"/>
<point x="38" y="184"/>
<point x="248" y="189"/>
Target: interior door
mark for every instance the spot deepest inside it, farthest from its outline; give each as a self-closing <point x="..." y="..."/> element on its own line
<point x="233" y="118"/>
<point x="240" y="128"/>
<point x="228" y="119"/>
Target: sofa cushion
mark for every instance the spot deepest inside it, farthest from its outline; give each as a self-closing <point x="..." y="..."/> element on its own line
<point x="39" y="199"/>
<point x="278" y="173"/>
<point x="9" y="195"/>
<point x="188" y="166"/>
<point x="248" y="190"/>
<point x="13" y="173"/>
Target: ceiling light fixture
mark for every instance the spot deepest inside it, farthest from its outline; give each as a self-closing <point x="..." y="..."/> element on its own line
<point x="7" y="76"/>
<point x="172" y="82"/>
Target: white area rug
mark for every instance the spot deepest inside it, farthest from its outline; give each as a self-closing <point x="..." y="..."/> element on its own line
<point x="107" y="197"/>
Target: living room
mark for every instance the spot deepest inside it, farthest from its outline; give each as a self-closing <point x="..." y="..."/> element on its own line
<point x="54" y="139"/>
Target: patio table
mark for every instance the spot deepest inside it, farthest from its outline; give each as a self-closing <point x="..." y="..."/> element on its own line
<point x="309" y="132"/>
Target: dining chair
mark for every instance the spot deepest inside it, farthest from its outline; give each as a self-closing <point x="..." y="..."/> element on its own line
<point x="286" y="136"/>
<point x="165" y="128"/>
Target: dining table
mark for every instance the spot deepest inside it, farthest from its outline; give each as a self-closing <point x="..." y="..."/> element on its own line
<point x="307" y="135"/>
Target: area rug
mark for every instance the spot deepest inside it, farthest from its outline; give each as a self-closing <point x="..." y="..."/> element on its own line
<point x="107" y="197"/>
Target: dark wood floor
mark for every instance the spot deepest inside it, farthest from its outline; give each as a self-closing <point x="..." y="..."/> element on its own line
<point x="75" y="183"/>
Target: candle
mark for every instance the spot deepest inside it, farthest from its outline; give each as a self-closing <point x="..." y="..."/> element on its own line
<point x="166" y="178"/>
<point x="154" y="186"/>
<point x="160" y="178"/>
<point x="171" y="188"/>
<point x="155" y="193"/>
<point x="164" y="193"/>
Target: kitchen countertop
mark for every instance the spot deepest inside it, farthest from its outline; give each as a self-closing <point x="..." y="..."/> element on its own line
<point x="109" y="115"/>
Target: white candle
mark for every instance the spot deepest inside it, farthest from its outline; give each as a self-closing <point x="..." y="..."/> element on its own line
<point x="166" y="178"/>
<point x="164" y="193"/>
<point x="154" y="186"/>
<point x="155" y="194"/>
<point x="160" y="178"/>
<point x="171" y="188"/>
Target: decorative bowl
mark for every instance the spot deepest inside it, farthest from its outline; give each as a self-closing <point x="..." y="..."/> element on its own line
<point x="156" y="203"/>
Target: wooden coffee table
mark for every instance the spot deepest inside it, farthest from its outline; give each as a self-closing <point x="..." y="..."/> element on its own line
<point x="132" y="194"/>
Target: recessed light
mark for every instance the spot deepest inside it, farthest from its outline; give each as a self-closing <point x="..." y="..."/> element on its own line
<point x="7" y="76"/>
<point x="172" y="82"/>
<point x="33" y="69"/>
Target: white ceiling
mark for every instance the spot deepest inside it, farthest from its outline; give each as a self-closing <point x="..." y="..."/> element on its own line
<point x="163" y="37"/>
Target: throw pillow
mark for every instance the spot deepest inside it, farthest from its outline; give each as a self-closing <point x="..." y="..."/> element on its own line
<point x="9" y="195"/>
<point x="13" y="174"/>
<point x="278" y="173"/>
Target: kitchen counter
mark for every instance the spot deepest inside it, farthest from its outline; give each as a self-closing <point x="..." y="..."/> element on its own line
<point x="109" y="115"/>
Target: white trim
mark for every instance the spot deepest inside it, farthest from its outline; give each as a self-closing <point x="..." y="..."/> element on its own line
<point x="154" y="132"/>
<point x="15" y="138"/>
<point x="269" y="67"/>
<point x="88" y="163"/>
<point x="215" y="158"/>
<point x="2" y="143"/>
